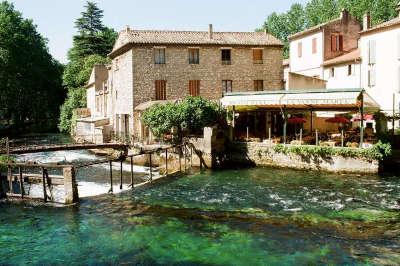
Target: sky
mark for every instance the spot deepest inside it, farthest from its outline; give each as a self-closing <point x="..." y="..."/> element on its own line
<point x="55" y="18"/>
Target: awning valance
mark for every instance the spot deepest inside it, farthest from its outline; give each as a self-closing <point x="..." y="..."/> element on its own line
<point x="296" y="99"/>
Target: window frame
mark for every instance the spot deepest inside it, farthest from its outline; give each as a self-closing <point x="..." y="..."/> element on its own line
<point x="194" y="58"/>
<point x="300" y="49"/>
<point x="225" y="61"/>
<point x="257" y="60"/>
<point x="158" y="59"/>
<point x="257" y="83"/>
<point x="194" y="88"/>
<point x="225" y="86"/>
<point x="160" y="89"/>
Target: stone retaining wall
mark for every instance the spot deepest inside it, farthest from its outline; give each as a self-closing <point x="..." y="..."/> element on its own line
<point x="262" y="154"/>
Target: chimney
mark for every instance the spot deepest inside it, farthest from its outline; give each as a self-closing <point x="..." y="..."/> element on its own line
<point x="210" y="31"/>
<point x="366" y="21"/>
<point x="127" y="28"/>
<point x="344" y="16"/>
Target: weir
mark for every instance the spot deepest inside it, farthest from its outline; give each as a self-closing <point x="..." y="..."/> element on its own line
<point x="13" y="184"/>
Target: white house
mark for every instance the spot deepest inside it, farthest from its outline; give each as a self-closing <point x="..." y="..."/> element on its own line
<point x="310" y="49"/>
<point x="343" y="71"/>
<point x="380" y="50"/>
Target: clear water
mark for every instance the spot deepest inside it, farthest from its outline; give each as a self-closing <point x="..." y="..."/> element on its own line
<point x="259" y="216"/>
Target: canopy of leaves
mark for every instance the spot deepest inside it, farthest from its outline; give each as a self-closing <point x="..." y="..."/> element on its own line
<point x="30" y="79"/>
<point x="189" y="116"/>
<point x="90" y="46"/>
<point x="299" y="17"/>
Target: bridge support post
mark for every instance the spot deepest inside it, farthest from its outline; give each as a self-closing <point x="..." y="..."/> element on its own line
<point x="71" y="188"/>
<point x="3" y="181"/>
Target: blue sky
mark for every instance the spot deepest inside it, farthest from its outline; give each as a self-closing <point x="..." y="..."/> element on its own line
<point x="55" y="18"/>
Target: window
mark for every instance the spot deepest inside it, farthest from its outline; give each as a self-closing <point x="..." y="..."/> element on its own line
<point x="336" y="42"/>
<point x="227" y="86"/>
<point x="194" y="57"/>
<point x="314" y="45"/>
<point x="159" y="56"/>
<point x="349" y="70"/>
<point x="161" y="90"/>
<point x="332" y="72"/>
<point x="226" y="56"/>
<point x="372" y="52"/>
<point x="300" y="49"/>
<point x="194" y="88"/>
<point x="257" y="56"/>
<point x="116" y="64"/>
<point x="371" y="77"/>
<point x="259" y="85"/>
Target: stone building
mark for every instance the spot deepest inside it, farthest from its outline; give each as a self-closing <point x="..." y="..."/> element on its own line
<point x="150" y="66"/>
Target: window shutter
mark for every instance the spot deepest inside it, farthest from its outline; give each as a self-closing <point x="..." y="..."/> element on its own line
<point x="314" y="45"/>
<point x="398" y="80"/>
<point x="340" y="42"/>
<point x="398" y="46"/>
<point x="300" y="49"/>
<point x="372" y="52"/>
<point x="371" y="77"/>
<point x="333" y="43"/>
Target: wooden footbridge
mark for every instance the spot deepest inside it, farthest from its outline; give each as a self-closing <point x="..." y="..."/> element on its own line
<point x="65" y="147"/>
<point x="12" y="184"/>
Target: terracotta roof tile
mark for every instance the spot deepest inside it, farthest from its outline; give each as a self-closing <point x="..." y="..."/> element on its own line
<point x="195" y="38"/>
<point x="349" y="57"/>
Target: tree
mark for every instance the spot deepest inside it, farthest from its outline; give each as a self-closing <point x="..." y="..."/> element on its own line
<point x="90" y="46"/>
<point x="93" y="37"/>
<point x="320" y="11"/>
<point x="189" y="116"/>
<point x="30" y="79"/>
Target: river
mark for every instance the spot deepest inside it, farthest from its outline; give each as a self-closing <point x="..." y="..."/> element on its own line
<point x="259" y="216"/>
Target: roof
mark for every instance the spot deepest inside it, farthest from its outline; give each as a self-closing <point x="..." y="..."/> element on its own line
<point x="314" y="29"/>
<point x="387" y="24"/>
<point x="165" y="37"/>
<point x="352" y="56"/>
<point x="323" y="99"/>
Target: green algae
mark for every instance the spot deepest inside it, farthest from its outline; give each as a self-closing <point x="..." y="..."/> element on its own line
<point x="366" y="215"/>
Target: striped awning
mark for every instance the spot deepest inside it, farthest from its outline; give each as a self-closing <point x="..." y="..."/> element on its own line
<point x="299" y="99"/>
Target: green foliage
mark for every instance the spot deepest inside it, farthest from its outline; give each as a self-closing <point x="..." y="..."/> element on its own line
<point x="189" y="116"/>
<point x="90" y="47"/>
<point x="378" y="152"/>
<point x="5" y="159"/>
<point x="299" y="17"/>
<point x="365" y="215"/>
<point x="76" y="99"/>
<point x="30" y="79"/>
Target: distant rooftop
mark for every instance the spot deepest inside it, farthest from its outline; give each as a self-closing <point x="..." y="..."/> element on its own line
<point x="352" y="56"/>
<point x="387" y="24"/>
<point x="165" y="37"/>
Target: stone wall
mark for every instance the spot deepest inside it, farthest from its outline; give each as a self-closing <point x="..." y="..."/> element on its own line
<point x="177" y="71"/>
<point x="262" y="154"/>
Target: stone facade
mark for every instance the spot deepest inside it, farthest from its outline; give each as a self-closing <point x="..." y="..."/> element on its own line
<point x="133" y="72"/>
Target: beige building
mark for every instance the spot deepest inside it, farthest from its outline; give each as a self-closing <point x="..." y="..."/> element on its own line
<point x="155" y="66"/>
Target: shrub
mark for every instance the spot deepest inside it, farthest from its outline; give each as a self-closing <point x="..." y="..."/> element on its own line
<point x="378" y="152"/>
<point x="189" y="116"/>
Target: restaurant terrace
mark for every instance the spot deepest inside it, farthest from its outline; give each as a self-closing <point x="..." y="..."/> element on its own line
<point x="334" y="117"/>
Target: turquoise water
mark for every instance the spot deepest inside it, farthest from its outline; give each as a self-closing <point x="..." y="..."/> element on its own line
<point x="257" y="216"/>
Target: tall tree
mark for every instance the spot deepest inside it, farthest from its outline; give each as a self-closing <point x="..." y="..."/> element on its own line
<point x="90" y="46"/>
<point x="30" y="79"/>
<point x="320" y="11"/>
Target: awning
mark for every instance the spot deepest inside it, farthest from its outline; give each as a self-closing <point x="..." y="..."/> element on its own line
<point x="301" y="99"/>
